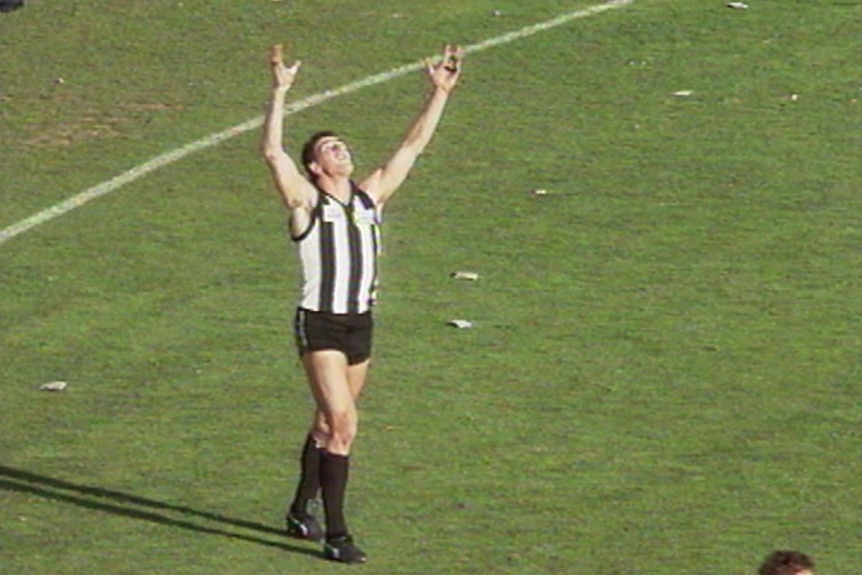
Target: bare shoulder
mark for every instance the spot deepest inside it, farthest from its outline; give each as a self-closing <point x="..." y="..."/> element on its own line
<point x="299" y="220"/>
<point x="298" y="193"/>
<point x="371" y="185"/>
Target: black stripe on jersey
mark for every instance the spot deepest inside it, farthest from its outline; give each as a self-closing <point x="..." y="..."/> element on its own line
<point x="327" y="264"/>
<point x="363" y="196"/>
<point x="375" y="238"/>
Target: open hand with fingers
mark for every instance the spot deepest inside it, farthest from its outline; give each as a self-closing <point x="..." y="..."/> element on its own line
<point x="282" y="76"/>
<point x="447" y="71"/>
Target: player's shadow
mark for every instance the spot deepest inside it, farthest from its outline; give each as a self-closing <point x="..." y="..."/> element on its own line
<point x="118" y="503"/>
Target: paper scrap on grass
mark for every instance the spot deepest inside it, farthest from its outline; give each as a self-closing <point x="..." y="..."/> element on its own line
<point x="53" y="386"/>
<point x="683" y="93"/>
<point x="737" y="5"/>
<point x="464" y="275"/>
<point x="460" y="323"/>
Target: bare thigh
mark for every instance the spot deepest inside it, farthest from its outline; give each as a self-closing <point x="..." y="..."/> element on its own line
<point x="336" y="386"/>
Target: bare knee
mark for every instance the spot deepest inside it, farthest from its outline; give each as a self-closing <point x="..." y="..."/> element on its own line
<point x="343" y="426"/>
<point x="320" y="429"/>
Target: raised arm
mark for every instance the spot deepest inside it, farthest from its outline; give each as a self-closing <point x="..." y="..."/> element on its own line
<point x="295" y="189"/>
<point x="444" y="76"/>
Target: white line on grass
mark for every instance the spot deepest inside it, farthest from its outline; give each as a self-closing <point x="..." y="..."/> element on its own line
<point x="168" y="158"/>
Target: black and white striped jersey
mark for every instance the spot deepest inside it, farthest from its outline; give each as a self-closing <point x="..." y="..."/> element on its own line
<point x="338" y="252"/>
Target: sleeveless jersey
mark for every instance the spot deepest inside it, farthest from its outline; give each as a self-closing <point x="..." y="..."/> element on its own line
<point x="338" y="252"/>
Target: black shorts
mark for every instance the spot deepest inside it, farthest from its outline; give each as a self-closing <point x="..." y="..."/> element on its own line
<point x="348" y="333"/>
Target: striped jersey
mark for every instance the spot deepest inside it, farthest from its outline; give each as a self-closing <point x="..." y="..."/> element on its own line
<point x="338" y="252"/>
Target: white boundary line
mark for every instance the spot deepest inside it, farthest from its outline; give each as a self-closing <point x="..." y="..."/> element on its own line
<point x="210" y="141"/>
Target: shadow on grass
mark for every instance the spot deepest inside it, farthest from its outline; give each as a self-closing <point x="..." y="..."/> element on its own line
<point x="118" y="503"/>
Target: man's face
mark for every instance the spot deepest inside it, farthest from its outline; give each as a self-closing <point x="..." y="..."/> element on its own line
<point x="333" y="156"/>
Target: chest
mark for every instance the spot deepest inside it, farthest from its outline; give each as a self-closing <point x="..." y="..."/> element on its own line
<point x="353" y="214"/>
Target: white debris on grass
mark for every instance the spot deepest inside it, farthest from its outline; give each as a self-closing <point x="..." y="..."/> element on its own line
<point x="462" y="275"/>
<point x="53" y="386"/>
<point x="460" y="323"/>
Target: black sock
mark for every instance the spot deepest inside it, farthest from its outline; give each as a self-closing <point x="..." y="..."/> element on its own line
<point x="333" y="480"/>
<point x="309" y="479"/>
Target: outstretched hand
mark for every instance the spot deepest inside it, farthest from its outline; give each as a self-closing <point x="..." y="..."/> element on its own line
<point x="446" y="73"/>
<point x="282" y="76"/>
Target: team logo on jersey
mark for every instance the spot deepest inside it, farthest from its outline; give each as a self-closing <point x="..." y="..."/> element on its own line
<point x="365" y="217"/>
<point x="332" y="213"/>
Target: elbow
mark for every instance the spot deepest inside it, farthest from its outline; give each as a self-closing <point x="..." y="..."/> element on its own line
<point x="264" y="149"/>
<point x="270" y="153"/>
<point x="418" y="144"/>
<point x="414" y="147"/>
<point x="270" y="146"/>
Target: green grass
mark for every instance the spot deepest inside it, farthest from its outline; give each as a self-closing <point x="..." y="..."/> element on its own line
<point x="663" y="376"/>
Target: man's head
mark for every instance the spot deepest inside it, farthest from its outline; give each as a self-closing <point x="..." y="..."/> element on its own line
<point x="787" y="563"/>
<point x="326" y="153"/>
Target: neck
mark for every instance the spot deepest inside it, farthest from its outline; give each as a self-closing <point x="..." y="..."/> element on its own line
<point x="338" y="187"/>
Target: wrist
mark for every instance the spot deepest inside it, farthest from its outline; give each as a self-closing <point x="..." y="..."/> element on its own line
<point x="441" y="90"/>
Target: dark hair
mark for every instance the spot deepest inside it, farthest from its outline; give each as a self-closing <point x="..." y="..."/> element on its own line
<point x="786" y="563"/>
<point x="308" y="149"/>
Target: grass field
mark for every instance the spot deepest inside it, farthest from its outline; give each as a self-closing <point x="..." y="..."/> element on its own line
<point x="664" y="374"/>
